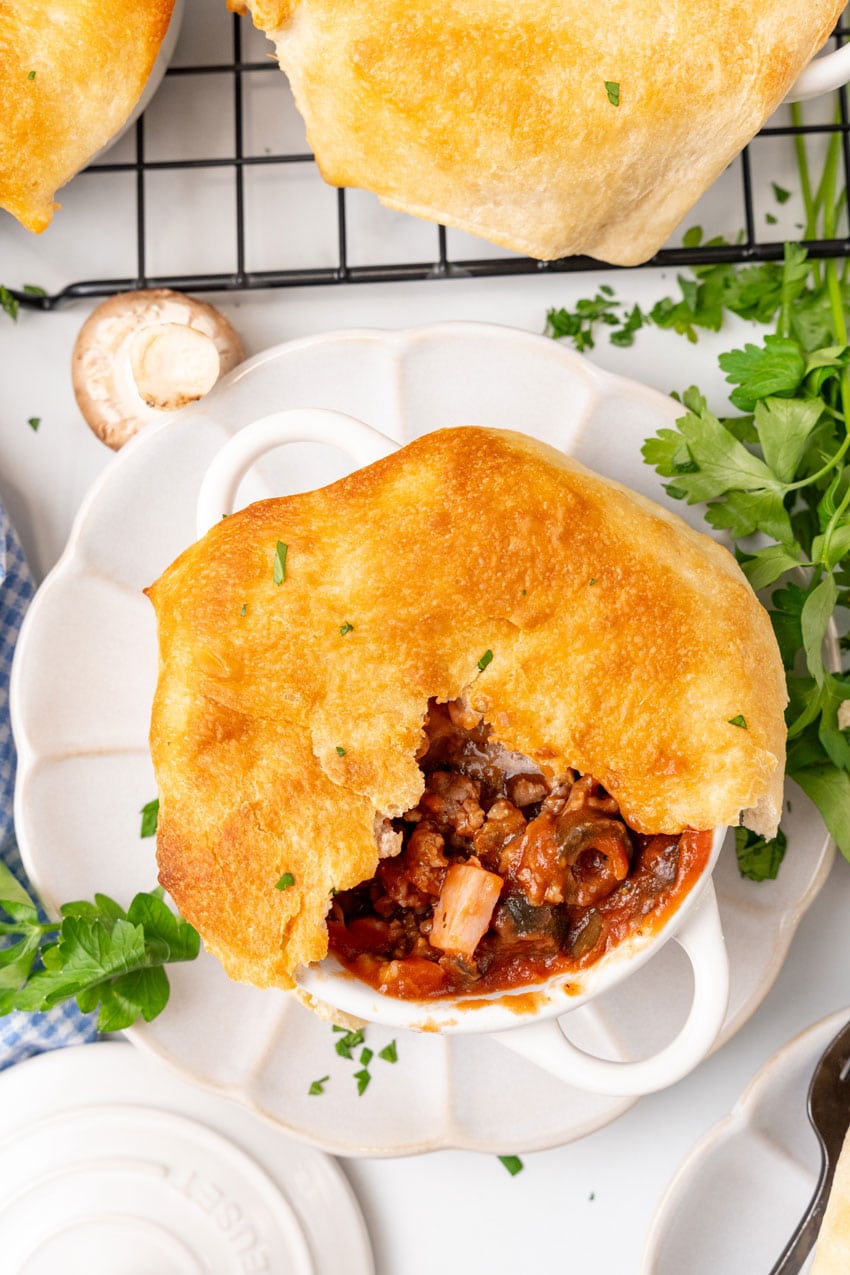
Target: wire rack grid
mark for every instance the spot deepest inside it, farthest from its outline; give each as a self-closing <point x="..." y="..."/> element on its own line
<point x="749" y="245"/>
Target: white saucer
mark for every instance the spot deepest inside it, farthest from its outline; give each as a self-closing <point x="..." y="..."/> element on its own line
<point x="736" y="1199"/>
<point x="109" y="1165"/>
<point x="83" y="681"/>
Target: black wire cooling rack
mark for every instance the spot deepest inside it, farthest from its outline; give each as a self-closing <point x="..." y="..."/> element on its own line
<point x="749" y="247"/>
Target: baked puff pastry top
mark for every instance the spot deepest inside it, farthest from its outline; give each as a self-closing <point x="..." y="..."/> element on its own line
<point x="594" y="629"/>
<point x="553" y="127"/>
<point x="71" y="72"/>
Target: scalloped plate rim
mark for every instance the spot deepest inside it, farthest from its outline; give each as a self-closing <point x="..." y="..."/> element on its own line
<point x="599" y="380"/>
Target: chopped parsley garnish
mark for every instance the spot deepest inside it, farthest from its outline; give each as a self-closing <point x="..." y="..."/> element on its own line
<point x="579" y="324"/>
<point x="759" y="859"/>
<point x="34" y="422"/>
<point x="738" y="720"/>
<point x="349" y="1041"/>
<point x="31" y="75"/>
<point x="612" y="88"/>
<point x="592" y="580"/>
<point x="780" y="193"/>
<point x="318" y="1086"/>
<point x="512" y="1163"/>
<point x="285" y="881"/>
<point x="486" y="658"/>
<point x="592" y="1195"/>
<point x="770" y="219"/>
<point x="33" y="291"/>
<point x="9" y="304"/>
<point x="346" y="628"/>
<point x="280" y="562"/>
<point x="340" y="751"/>
<point x="244" y="610"/>
<point x="150" y="818"/>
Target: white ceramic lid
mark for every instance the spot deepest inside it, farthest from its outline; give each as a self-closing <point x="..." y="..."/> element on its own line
<point x="111" y="1165"/>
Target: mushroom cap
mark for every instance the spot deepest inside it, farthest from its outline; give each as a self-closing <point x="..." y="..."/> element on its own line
<point x="142" y="353"/>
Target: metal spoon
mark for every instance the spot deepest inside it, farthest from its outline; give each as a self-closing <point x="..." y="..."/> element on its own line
<point x="829" y="1113"/>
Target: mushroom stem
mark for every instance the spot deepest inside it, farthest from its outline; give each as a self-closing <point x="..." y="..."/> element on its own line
<point x="140" y="354"/>
<point x="173" y="365"/>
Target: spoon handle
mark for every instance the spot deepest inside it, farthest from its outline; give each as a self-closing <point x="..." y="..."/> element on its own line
<point x="802" y="1241"/>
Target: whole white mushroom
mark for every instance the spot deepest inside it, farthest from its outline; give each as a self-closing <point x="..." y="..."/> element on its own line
<point x="140" y="354"/>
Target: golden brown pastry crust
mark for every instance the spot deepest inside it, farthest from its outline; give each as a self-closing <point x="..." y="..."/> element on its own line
<point x="623" y="643"/>
<point x="90" y="59"/>
<point x="494" y="117"/>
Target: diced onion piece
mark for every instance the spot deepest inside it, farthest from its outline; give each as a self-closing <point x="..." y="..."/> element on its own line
<point x="464" y="908"/>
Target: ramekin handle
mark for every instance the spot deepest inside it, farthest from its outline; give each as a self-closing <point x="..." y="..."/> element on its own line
<point x="822" y="75"/>
<point x="299" y="425"/>
<point x="702" y="939"/>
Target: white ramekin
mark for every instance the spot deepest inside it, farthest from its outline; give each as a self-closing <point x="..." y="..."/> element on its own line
<point x="527" y="1019"/>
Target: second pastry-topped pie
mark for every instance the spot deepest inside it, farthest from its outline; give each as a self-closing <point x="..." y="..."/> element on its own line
<point x="553" y="127"/>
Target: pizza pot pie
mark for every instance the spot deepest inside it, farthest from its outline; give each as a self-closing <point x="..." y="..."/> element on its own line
<point x="469" y="714"/>
<point x="553" y="127"/>
<point x="71" y="73"/>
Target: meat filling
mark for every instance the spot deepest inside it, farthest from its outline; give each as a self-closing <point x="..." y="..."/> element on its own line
<point x="503" y="877"/>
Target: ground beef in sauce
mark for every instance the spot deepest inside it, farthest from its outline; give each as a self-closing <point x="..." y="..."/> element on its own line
<point x="512" y="876"/>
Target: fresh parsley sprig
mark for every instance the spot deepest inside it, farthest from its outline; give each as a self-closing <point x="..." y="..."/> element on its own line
<point x="776" y="480"/>
<point x="775" y="476"/>
<point x="96" y="953"/>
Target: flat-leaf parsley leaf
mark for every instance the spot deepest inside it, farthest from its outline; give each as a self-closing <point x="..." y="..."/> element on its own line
<point x="96" y="953"/>
<point x="150" y="818"/>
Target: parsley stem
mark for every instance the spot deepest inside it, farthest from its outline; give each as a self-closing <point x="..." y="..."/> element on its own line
<point x="825" y="196"/>
<point x="18" y="927"/>
<point x="831" y="463"/>
<point x="835" y="520"/>
<point x="805" y="181"/>
<point x="833" y="412"/>
<point x="836" y="302"/>
<point x="826" y="192"/>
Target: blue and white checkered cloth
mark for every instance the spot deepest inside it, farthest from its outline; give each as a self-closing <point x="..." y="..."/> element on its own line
<point x="23" y="1034"/>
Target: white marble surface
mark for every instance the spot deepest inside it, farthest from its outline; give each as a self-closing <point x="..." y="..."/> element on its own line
<point x="586" y="1206"/>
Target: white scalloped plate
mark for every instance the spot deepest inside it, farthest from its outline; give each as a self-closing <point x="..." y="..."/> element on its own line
<point x="736" y="1198"/>
<point x="82" y="685"/>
